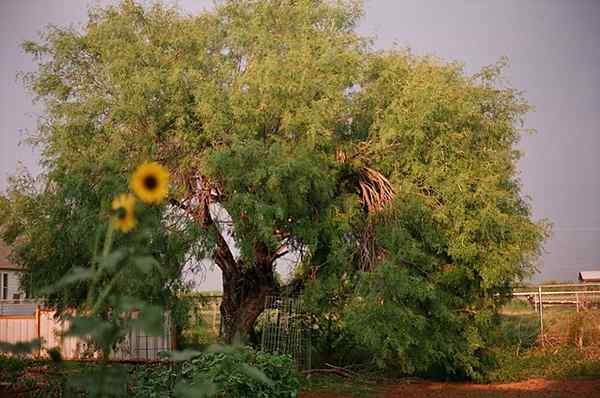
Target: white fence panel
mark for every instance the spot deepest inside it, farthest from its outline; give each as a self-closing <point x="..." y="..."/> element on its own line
<point x="17" y="329"/>
<point x="137" y="346"/>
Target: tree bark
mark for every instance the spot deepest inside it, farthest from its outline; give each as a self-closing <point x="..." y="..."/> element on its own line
<point x="244" y="296"/>
<point x="245" y="288"/>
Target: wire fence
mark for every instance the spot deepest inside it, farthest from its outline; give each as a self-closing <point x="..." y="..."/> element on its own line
<point x="568" y="313"/>
<point x="284" y="329"/>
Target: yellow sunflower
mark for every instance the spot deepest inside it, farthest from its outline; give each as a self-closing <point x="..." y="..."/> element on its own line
<point x="123" y="205"/>
<point x="150" y="182"/>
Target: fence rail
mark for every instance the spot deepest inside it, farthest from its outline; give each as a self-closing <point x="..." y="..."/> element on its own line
<point x="565" y="312"/>
<point x="18" y="307"/>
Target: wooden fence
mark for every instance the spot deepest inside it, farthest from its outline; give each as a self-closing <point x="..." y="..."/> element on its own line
<point x="23" y="326"/>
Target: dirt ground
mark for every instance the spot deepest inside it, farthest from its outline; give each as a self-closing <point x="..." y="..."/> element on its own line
<point x="534" y="388"/>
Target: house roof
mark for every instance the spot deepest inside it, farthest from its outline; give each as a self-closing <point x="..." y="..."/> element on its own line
<point x="589" y="276"/>
<point x="5" y="263"/>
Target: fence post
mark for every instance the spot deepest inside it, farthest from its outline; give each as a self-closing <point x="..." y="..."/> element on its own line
<point x="172" y="331"/>
<point x="214" y="317"/>
<point x="577" y="300"/>
<point x="38" y="328"/>
<point x="541" y="314"/>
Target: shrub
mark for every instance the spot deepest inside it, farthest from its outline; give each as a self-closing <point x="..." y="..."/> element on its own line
<point x="230" y="372"/>
<point x="154" y="381"/>
<point x="12" y="364"/>
<point x="234" y="373"/>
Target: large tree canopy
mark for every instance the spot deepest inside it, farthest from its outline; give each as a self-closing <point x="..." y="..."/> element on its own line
<point x="394" y="175"/>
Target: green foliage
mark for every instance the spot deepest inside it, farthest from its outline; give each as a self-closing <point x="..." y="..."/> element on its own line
<point x="110" y="312"/>
<point x="13" y="374"/>
<point x="212" y="92"/>
<point x="282" y="107"/>
<point x="180" y="313"/>
<point x="433" y="312"/>
<point x="56" y="232"/>
<point x="237" y="372"/>
<point x="232" y="372"/>
<point x="557" y="363"/>
<point x="198" y="335"/>
<point x="518" y="355"/>
<point x="364" y="385"/>
<point x="155" y="380"/>
<point x="12" y="364"/>
<point x="112" y="309"/>
<point x="273" y="193"/>
<point x="458" y="235"/>
<point x="20" y="348"/>
<point x="519" y="332"/>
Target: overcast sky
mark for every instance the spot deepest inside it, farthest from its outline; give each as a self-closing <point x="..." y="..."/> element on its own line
<point x="554" y="52"/>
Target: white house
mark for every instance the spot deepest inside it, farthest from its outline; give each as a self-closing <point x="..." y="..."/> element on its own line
<point x="10" y="288"/>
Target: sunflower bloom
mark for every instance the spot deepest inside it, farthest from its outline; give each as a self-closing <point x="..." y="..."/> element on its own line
<point x="150" y="182"/>
<point x="123" y="205"/>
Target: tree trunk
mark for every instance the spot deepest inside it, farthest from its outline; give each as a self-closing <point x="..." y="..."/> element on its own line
<point x="245" y="288"/>
<point x="244" y="295"/>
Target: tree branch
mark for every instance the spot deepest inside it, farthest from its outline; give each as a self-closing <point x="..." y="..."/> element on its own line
<point x="199" y="191"/>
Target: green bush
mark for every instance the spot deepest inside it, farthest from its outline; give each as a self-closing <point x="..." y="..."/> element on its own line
<point x="12" y="364"/>
<point x="230" y="372"/>
<point x="234" y="373"/>
<point x="154" y="381"/>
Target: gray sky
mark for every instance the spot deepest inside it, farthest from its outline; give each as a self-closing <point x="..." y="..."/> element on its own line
<point x="554" y="52"/>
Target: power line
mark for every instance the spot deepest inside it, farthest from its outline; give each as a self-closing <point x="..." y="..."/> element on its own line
<point x="577" y="229"/>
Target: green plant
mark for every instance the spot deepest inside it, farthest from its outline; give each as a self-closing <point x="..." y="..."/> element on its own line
<point x="233" y="372"/>
<point x="280" y="114"/>
<point x="12" y="364"/>
<point x="155" y="380"/>
<point x="111" y="309"/>
<point x="394" y="175"/>
<point x="363" y="385"/>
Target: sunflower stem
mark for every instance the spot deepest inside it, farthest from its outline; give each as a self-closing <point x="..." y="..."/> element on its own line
<point x="108" y="240"/>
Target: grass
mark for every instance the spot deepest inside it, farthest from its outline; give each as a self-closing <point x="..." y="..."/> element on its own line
<point x="517" y="350"/>
<point x="560" y="363"/>
<point x="564" y="363"/>
<point x="563" y="355"/>
<point x="365" y="385"/>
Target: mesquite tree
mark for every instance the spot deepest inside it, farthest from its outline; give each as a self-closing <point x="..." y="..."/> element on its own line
<point x="279" y="113"/>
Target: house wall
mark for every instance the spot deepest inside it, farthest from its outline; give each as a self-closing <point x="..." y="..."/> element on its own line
<point x="13" y="284"/>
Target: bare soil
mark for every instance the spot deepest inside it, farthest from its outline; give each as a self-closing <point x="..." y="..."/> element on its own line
<point x="534" y="388"/>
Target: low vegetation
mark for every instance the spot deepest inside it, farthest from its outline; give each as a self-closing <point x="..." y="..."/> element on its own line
<point x="233" y="372"/>
<point x="517" y="354"/>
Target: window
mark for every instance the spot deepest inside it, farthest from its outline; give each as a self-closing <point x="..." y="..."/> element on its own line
<point x="4" y="286"/>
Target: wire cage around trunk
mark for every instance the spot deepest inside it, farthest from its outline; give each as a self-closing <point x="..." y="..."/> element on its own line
<point x="284" y="329"/>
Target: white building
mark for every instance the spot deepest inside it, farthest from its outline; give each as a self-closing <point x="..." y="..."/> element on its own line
<point x="589" y="276"/>
<point x="10" y="288"/>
